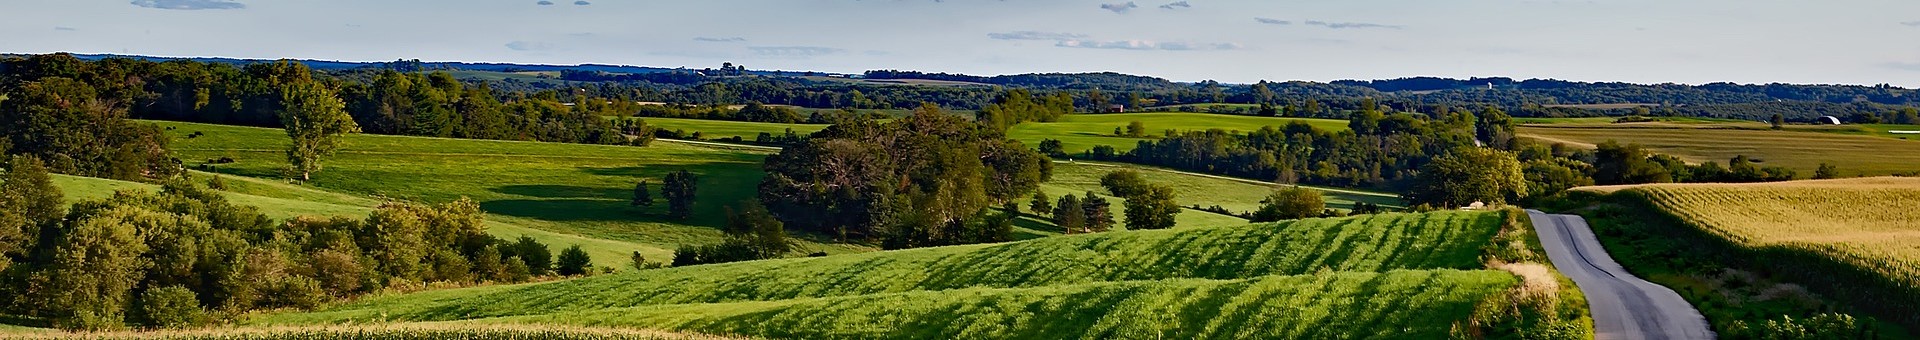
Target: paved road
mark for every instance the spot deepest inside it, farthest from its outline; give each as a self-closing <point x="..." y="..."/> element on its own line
<point x="1624" y="306"/>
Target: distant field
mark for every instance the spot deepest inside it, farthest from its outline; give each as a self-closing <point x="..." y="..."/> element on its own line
<point x="924" y="82"/>
<point x="1803" y="151"/>
<point x="1080" y="132"/>
<point x="282" y="201"/>
<point x="529" y="77"/>
<point x="1236" y="196"/>
<point x="715" y="129"/>
<point x="563" y="188"/>
<point x="1392" y="275"/>
<point x="1602" y="106"/>
<point x="1876" y="130"/>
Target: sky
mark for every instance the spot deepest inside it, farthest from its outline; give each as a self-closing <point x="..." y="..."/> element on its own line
<point x="1643" y="41"/>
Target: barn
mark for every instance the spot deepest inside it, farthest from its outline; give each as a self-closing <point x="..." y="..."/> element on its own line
<point x="1827" y="120"/>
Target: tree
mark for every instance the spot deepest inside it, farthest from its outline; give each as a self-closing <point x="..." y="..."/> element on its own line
<point x="574" y="261"/>
<point x="314" y="118"/>
<point x="1827" y="171"/>
<point x="1468" y="175"/>
<point x="1040" y="205"/>
<point x="1152" y="208"/>
<point x="29" y="203"/>
<point x="535" y="256"/>
<point x="1616" y="164"/>
<point x="1136" y="129"/>
<point x="94" y="267"/>
<point x="1099" y="213"/>
<point x="679" y="189"/>
<point x="1290" y="204"/>
<point x="73" y="130"/>
<point x="1546" y="177"/>
<point x="1779" y="121"/>
<point x="641" y="196"/>
<point x="1070" y="215"/>
<point x="1125" y="183"/>
<point x="1052" y="147"/>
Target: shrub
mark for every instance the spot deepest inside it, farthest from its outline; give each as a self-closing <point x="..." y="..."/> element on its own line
<point x="533" y="255"/>
<point x="575" y="261"/>
<point x="1290" y="204"/>
<point x="171" y="307"/>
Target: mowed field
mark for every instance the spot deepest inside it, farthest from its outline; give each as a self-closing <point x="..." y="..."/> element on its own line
<point x="1080" y="132"/>
<point x="1377" y="276"/>
<point x="716" y="129"/>
<point x="569" y="189"/>
<point x="1800" y="150"/>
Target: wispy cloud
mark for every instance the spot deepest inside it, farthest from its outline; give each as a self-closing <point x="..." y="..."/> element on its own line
<point x="1915" y="67"/>
<point x="529" y="46"/>
<point x="1911" y="23"/>
<point x="581" y="3"/>
<point x="64" y="28"/>
<point x="1035" y="35"/>
<point x="1175" y="5"/>
<point x="1146" y="45"/>
<point x="1351" y="25"/>
<point x="189" y="5"/>
<point x="720" y="39"/>
<point x="544" y="3"/>
<point x="799" y="52"/>
<point x="1272" y="21"/>
<point x="1120" y="8"/>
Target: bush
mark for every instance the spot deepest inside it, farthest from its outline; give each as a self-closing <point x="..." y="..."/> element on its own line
<point x="574" y="261"/>
<point x="171" y="307"/>
<point x="1823" y="326"/>
<point x="1290" y="204"/>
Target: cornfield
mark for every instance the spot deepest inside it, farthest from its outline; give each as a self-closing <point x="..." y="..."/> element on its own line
<point x="1856" y="240"/>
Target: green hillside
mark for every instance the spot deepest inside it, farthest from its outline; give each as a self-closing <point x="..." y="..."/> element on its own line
<point x="568" y="189"/>
<point x="1383" y="275"/>
<point x="282" y="201"/>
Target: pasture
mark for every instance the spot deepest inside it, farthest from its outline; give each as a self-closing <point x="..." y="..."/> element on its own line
<point x="716" y="129"/>
<point x="1803" y="151"/>
<point x="1080" y="132"/>
<point x="570" y="189"/>
<point x="1391" y="275"/>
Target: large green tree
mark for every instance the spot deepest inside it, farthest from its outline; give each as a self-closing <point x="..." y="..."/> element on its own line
<point x="1468" y="175"/>
<point x="1152" y="208"/>
<point x="680" y="189"/>
<point x="29" y="203"/>
<point x="315" y="119"/>
<point x="70" y="127"/>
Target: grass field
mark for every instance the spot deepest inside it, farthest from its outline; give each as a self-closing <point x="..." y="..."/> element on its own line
<point x="1741" y="251"/>
<point x="1393" y="275"/>
<point x="1874" y="130"/>
<point x="1235" y="195"/>
<point x="1080" y="132"/>
<point x="1803" y="151"/>
<point x="282" y="201"/>
<point x="567" y="189"/>
<point x="716" y="129"/>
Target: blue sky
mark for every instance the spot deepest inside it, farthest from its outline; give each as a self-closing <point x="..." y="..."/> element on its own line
<point x="1685" y="41"/>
